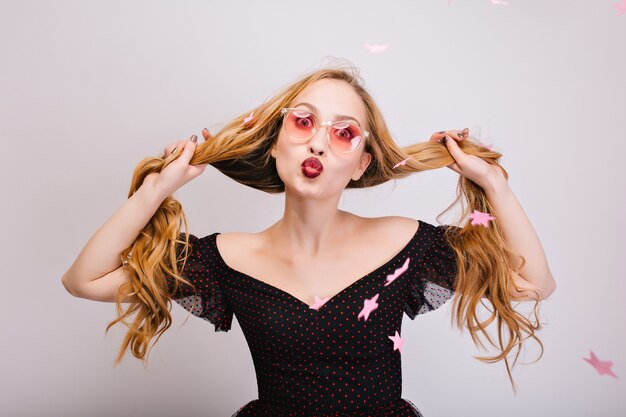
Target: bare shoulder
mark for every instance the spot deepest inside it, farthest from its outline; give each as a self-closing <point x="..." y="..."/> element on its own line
<point x="394" y="224"/>
<point x="387" y="231"/>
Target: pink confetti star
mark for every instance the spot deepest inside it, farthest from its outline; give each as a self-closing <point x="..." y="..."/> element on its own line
<point x="479" y="217"/>
<point x="369" y="305"/>
<point x="392" y="277"/>
<point x="376" y="48"/>
<point x="603" y="367"/>
<point x="397" y="341"/>
<point x="318" y="302"/>
<point x="404" y="161"/>
<point x="249" y="118"/>
<point x="621" y="7"/>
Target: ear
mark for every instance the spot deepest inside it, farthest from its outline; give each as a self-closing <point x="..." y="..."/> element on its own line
<point x="366" y="158"/>
<point x="272" y="150"/>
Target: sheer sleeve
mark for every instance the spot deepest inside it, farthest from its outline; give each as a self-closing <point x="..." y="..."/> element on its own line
<point x="210" y="301"/>
<point x="433" y="281"/>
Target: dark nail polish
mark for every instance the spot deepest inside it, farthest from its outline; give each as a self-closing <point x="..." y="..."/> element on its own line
<point x="444" y="140"/>
<point x="443" y="131"/>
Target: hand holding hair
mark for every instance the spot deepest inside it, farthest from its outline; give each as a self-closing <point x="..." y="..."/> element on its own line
<point x="177" y="171"/>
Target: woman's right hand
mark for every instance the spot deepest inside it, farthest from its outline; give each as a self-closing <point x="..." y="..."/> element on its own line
<point x="178" y="172"/>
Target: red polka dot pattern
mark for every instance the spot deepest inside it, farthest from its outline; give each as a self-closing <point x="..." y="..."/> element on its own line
<point x="335" y="360"/>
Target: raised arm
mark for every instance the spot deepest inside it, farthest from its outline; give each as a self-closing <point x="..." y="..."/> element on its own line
<point x="98" y="272"/>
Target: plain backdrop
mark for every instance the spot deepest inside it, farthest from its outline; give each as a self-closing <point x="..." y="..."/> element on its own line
<point x="89" y="88"/>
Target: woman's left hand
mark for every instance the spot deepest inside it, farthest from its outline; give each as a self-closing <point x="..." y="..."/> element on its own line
<point x="470" y="166"/>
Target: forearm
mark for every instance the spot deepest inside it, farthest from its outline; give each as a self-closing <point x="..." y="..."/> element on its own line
<point x="102" y="252"/>
<point x="520" y="235"/>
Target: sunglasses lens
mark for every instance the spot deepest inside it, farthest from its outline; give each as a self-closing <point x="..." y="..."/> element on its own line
<point x="299" y="124"/>
<point x="344" y="136"/>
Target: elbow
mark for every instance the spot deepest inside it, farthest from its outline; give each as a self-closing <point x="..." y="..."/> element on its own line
<point x="550" y="290"/>
<point x="68" y="287"/>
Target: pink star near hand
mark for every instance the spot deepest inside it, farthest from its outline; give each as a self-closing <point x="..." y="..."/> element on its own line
<point x="392" y="277"/>
<point x="397" y="341"/>
<point x="369" y="305"/>
<point x="318" y="302"/>
<point x="376" y="48"/>
<point x="603" y="367"/>
<point x="249" y="118"/>
<point x="479" y="217"/>
<point x="404" y="161"/>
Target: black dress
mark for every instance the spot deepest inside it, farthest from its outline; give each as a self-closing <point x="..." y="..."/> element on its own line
<point x="339" y="358"/>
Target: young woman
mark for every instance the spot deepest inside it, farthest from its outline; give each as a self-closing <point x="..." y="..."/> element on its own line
<point x="321" y="293"/>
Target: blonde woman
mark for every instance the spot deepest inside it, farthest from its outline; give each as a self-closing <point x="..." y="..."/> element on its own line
<point x="321" y="293"/>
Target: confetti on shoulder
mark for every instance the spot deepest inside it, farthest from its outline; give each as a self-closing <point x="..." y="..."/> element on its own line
<point x="392" y="277"/>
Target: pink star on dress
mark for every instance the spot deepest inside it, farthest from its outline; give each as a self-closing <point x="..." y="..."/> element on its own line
<point x="392" y="277"/>
<point x="479" y="217"/>
<point x="369" y="305"/>
<point x="397" y="341"/>
<point x="249" y="118"/>
<point x="376" y="48"/>
<point x="401" y="162"/>
<point x="319" y="302"/>
<point x="603" y="367"/>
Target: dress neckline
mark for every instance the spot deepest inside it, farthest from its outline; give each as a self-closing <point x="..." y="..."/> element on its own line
<point x="342" y="291"/>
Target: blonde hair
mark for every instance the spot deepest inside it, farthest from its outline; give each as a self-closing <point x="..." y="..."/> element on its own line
<point x="242" y="152"/>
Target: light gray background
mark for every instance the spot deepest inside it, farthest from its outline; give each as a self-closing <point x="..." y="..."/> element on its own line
<point x="88" y="89"/>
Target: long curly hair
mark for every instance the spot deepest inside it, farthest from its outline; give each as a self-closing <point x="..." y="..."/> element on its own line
<point x="242" y="152"/>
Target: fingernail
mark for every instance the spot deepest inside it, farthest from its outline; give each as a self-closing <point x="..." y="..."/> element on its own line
<point x="445" y="138"/>
<point x="194" y="138"/>
<point x="466" y="130"/>
<point x="443" y="131"/>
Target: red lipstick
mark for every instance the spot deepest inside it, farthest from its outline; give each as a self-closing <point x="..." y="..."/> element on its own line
<point x="312" y="167"/>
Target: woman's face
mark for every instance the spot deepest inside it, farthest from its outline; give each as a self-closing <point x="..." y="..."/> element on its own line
<point x="326" y="99"/>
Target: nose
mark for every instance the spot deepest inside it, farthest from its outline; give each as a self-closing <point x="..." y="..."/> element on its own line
<point x="318" y="143"/>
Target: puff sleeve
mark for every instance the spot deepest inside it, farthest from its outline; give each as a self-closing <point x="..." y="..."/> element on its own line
<point x="433" y="281"/>
<point x="210" y="303"/>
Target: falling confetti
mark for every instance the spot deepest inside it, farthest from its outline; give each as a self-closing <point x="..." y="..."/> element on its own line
<point x="621" y="7"/>
<point x="603" y="367"/>
<point x="376" y="48"/>
<point x="392" y="277"/>
<point x="397" y="341"/>
<point x="479" y="217"/>
<point x="369" y="305"/>
<point x="318" y="302"/>
<point x="401" y="162"/>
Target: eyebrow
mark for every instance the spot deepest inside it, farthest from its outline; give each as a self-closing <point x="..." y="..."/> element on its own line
<point x="337" y="116"/>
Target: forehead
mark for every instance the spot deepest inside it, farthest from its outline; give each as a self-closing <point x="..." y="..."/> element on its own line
<point x="333" y="98"/>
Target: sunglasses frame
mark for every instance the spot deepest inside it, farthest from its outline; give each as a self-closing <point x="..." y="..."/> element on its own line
<point x="328" y="124"/>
